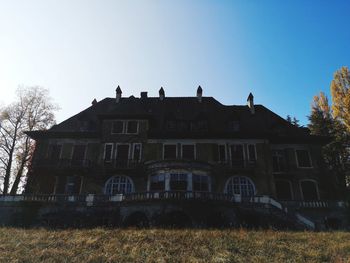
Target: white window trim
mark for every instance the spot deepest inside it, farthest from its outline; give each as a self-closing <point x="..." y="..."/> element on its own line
<point x="309" y="180"/>
<point x="296" y="157"/>
<point x="133" y="149"/>
<point x="104" y="152"/>
<point x="125" y="126"/>
<point x="231" y="178"/>
<point x="176" y="147"/>
<point x="127" y="177"/>
<point x="290" y="186"/>
<point x="256" y="155"/>
<point x="116" y="150"/>
<point x="194" y="149"/>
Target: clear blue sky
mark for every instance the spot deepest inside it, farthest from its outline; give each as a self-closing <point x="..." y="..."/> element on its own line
<point x="284" y="52"/>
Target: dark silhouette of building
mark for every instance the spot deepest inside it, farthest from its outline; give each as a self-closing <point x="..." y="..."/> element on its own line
<point x="152" y="148"/>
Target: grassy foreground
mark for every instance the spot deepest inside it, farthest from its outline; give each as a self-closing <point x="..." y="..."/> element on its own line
<point x="155" y="245"/>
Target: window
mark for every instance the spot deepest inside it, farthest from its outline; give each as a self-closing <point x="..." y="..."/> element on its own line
<point x="54" y="152"/>
<point x="251" y="153"/>
<point x="309" y="190"/>
<point x="137" y="152"/>
<point x="237" y="155"/>
<point x="178" y="181"/>
<point x="222" y="153"/>
<point x="284" y="190"/>
<point x="200" y="182"/>
<point x="157" y="182"/>
<point x="188" y="152"/>
<point x="118" y="127"/>
<point x="240" y="185"/>
<point x="169" y="151"/>
<point x="108" y="153"/>
<point x="303" y="158"/>
<point x="78" y="155"/>
<point x="132" y="127"/>
<point x="122" y="155"/>
<point x="119" y="185"/>
<point x="278" y="161"/>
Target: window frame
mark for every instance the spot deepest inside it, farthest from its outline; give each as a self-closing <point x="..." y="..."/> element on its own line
<point x="243" y="153"/>
<point x="301" y="189"/>
<point x="290" y="187"/>
<point x="230" y="179"/>
<point x="133" y="151"/>
<point x="297" y="159"/>
<point x="126" y="127"/>
<point x="176" y="150"/>
<point x="49" y="150"/>
<point x="79" y="144"/>
<point x="194" y="150"/>
<point x="104" y="152"/>
<point x="116" y="150"/>
<point x="282" y="160"/>
<point x="255" y="153"/>
<point x="225" y="152"/>
<point x="120" y="176"/>
<point x="123" y="128"/>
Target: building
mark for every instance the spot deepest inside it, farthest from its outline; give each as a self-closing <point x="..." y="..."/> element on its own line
<point x="183" y="147"/>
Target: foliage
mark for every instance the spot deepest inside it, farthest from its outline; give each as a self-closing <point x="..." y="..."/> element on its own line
<point x="293" y="120"/>
<point x="33" y="110"/>
<point x="340" y="90"/>
<point x="157" y="245"/>
<point x="326" y="121"/>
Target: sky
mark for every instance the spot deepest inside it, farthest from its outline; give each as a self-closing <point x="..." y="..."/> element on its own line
<point x="284" y="52"/>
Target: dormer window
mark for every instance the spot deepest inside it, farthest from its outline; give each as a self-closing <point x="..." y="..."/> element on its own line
<point x="125" y="127"/>
<point x="132" y="127"/>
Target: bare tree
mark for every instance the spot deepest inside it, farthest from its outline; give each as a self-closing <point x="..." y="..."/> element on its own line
<point x="33" y="110"/>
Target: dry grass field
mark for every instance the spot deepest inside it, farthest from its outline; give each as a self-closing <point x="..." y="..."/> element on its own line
<point x="156" y="245"/>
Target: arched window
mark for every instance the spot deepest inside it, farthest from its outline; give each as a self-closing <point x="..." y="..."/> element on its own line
<point x="119" y="185"/>
<point x="309" y="189"/>
<point x="284" y="190"/>
<point x="240" y="185"/>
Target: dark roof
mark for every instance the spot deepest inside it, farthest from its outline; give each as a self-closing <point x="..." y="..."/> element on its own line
<point x="262" y="124"/>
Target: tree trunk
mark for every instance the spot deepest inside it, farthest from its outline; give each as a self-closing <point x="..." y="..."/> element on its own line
<point x="19" y="174"/>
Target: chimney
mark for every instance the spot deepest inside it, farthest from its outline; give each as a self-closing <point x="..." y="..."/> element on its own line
<point x="199" y="93"/>
<point x="118" y="92"/>
<point x="161" y="93"/>
<point x="144" y="95"/>
<point x="250" y="103"/>
<point x="94" y="102"/>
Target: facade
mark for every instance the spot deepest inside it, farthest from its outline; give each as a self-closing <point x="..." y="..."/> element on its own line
<point x="180" y="145"/>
